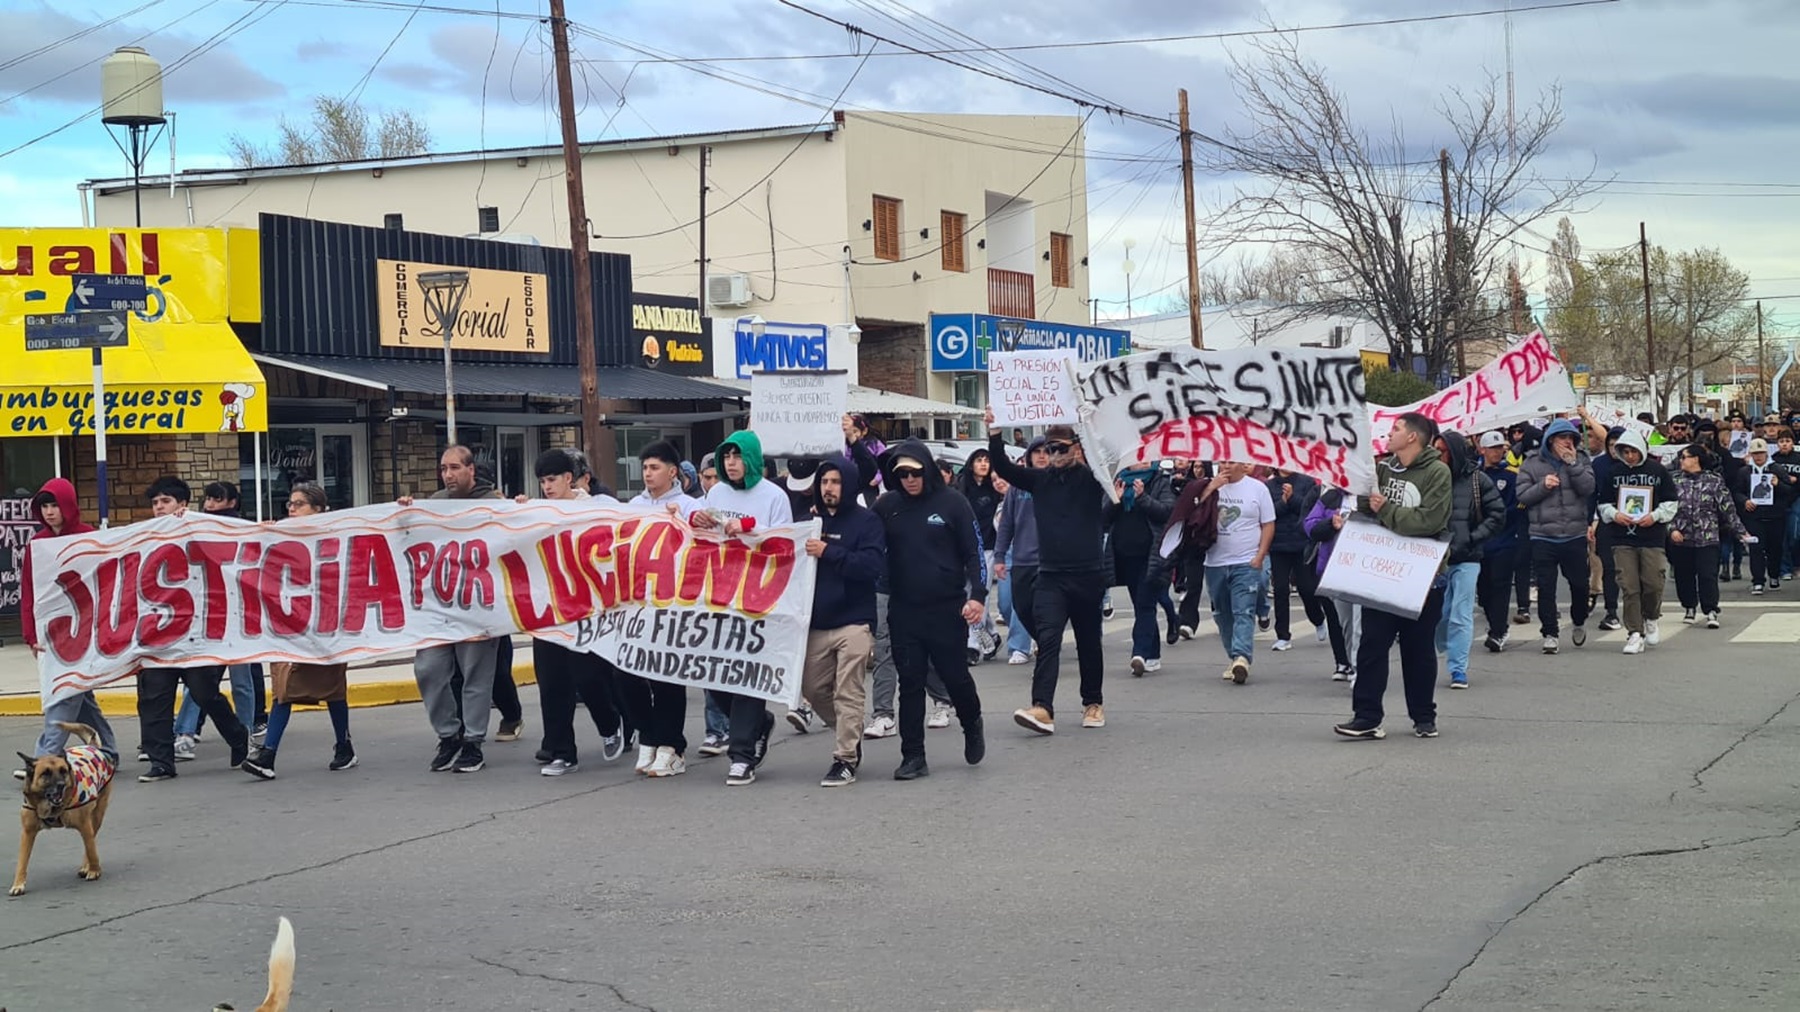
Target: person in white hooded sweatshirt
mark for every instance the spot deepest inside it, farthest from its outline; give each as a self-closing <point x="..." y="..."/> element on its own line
<point x="743" y="501"/>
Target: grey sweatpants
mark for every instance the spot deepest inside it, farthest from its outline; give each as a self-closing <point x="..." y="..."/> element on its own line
<point x="434" y="667"/>
<point x="81" y="708"/>
<point x="885" y="678"/>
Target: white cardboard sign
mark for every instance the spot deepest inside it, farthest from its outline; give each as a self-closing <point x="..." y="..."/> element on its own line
<point x="799" y="414"/>
<point x="1376" y="568"/>
<point x="1032" y="387"/>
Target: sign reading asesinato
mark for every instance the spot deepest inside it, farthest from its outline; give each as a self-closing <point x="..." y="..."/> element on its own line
<point x="503" y="311"/>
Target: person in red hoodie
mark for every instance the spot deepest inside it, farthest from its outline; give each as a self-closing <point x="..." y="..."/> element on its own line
<point x="58" y="515"/>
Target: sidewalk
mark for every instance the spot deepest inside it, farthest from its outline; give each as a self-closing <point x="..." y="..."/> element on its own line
<point x="382" y="682"/>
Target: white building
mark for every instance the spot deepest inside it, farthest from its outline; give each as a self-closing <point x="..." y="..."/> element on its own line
<point x="864" y="225"/>
<point x="1252" y="325"/>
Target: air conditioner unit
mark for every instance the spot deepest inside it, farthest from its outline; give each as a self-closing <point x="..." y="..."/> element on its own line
<point x="728" y="290"/>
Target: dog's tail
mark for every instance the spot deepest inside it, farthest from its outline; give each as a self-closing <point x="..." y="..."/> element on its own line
<point x="82" y="731"/>
<point x="281" y="970"/>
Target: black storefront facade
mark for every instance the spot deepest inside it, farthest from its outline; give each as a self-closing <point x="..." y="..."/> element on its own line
<point x="355" y="367"/>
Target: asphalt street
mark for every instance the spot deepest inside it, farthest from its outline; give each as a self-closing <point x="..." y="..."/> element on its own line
<point x="1591" y="831"/>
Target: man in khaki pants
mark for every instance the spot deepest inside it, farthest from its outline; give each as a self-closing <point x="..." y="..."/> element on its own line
<point x="852" y="552"/>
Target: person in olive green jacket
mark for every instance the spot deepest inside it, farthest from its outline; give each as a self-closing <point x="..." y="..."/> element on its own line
<point x="1412" y="497"/>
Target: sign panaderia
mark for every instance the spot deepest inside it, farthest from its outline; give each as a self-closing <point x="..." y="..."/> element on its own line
<point x="170" y="379"/>
<point x="503" y="310"/>
<point x="671" y="334"/>
<point x="960" y="342"/>
<point x="638" y="587"/>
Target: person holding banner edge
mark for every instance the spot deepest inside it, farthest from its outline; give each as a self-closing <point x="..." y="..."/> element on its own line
<point x="656" y="708"/>
<point x="1069" y="501"/>
<point x="1412" y="498"/>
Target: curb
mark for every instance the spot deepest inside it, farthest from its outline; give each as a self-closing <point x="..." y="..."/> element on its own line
<point x="123" y="702"/>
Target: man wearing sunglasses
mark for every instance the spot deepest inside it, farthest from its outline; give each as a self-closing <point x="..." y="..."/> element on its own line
<point x="1070" y="504"/>
<point x="936" y="587"/>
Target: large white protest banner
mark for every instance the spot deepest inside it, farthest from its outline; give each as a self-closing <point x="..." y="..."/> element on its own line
<point x="1526" y="381"/>
<point x="799" y="414"/>
<point x="1376" y="568"/>
<point x="638" y="587"/>
<point x="1032" y="387"/>
<point x="1300" y="409"/>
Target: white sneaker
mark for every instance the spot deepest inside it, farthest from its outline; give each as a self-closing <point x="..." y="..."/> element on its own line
<point x="1153" y="664"/>
<point x="646" y="756"/>
<point x="558" y="767"/>
<point x="667" y="763"/>
<point x="184" y="748"/>
<point x="880" y="727"/>
<point x="1634" y="644"/>
<point x="1550" y="645"/>
<point x="1712" y="620"/>
<point x="940" y="715"/>
<point x="1137" y="666"/>
<point x="740" y="774"/>
<point x="1018" y="657"/>
<point x="1321" y="633"/>
<point x="1652" y="635"/>
<point x="1283" y="645"/>
<point x="1186" y="632"/>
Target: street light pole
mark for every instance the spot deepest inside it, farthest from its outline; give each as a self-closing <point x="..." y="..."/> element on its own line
<point x="444" y="292"/>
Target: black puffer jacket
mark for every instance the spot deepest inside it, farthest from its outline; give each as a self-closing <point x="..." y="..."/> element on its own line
<point x="1477" y="511"/>
<point x="1290" y="533"/>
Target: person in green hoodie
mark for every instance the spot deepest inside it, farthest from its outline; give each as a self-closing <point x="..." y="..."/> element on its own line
<point x="743" y="501"/>
<point x="1413" y="498"/>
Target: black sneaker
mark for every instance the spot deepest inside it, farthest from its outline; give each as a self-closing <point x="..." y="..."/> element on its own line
<point x="240" y="751"/>
<point x="910" y="769"/>
<point x="446" y="754"/>
<point x="842" y="775"/>
<point x="1493" y="643"/>
<point x="1263" y="622"/>
<point x="343" y="756"/>
<point x="1611" y="623"/>
<point x="1774" y="583"/>
<point x="510" y="730"/>
<point x="260" y="764"/>
<point x="1425" y="730"/>
<point x="1360" y="729"/>
<point x="543" y="755"/>
<point x="974" y="742"/>
<point x="1173" y="636"/>
<point x="157" y="773"/>
<point x="469" y="760"/>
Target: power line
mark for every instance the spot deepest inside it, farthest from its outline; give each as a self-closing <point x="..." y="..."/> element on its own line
<point x="356" y="90"/>
<point x="76" y="36"/>
<point x="88" y="63"/>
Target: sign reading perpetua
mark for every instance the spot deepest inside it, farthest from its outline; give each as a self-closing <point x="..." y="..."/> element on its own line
<point x="503" y="310"/>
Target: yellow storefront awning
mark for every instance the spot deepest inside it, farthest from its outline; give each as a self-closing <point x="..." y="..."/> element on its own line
<point x="183" y="369"/>
<point x="193" y="377"/>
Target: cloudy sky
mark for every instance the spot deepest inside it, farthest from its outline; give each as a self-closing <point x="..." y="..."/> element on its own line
<point x="1686" y="110"/>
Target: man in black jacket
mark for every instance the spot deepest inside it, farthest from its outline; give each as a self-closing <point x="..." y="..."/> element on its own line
<point x="851" y="549"/>
<point x="1071" y="571"/>
<point x="1145" y="498"/>
<point x="1293" y="494"/>
<point x="936" y="587"/>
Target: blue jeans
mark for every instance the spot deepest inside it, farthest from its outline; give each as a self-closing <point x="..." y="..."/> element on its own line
<point x="1233" y="591"/>
<point x="1263" y="601"/>
<point x="1018" y="638"/>
<point x="1456" y="629"/>
<point x="243" y="701"/>
<point x="81" y="708"/>
<point x="718" y="718"/>
<point x="1793" y="540"/>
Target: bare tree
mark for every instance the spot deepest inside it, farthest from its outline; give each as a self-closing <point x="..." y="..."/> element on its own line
<point x="1365" y="216"/>
<point x="339" y="130"/>
<point x="1701" y="317"/>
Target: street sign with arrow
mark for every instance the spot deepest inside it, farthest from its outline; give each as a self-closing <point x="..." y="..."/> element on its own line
<point x="67" y="331"/>
<point x="110" y="292"/>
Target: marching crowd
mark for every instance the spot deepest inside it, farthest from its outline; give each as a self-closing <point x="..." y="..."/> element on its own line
<point x="909" y="549"/>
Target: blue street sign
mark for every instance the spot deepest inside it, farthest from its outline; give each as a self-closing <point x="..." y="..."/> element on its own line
<point x="960" y="342"/>
<point x="67" y="331"/>
<point x="109" y="292"/>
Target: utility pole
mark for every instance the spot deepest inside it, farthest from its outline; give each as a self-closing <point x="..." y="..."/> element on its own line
<point x="1649" y="333"/>
<point x="1462" y="363"/>
<point x="579" y="261"/>
<point x="1762" y="368"/>
<point x="705" y="158"/>
<point x="1193" y="251"/>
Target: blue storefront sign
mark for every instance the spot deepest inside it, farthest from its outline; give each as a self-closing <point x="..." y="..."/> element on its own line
<point x="781" y="346"/>
<point x="960" y="342"/>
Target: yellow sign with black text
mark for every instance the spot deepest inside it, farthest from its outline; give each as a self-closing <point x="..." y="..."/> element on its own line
<point x="503" y="310"/>
<point x="183" y="369"/>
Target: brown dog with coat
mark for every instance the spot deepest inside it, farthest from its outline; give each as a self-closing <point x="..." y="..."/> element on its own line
<point x="69" y="790"/>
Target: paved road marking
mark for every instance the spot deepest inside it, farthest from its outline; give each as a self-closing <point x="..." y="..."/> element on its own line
<point x="1776" y="627"/>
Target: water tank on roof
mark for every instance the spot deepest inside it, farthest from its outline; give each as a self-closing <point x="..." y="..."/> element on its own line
<point x="131" y="88"/>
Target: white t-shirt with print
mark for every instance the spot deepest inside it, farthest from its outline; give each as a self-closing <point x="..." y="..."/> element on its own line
<point x="1244" y="506"/>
